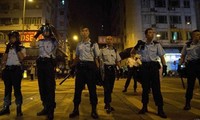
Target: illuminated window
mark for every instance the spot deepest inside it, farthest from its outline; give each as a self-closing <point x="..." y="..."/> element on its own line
<point x="62" y="2"/>
<point x="176" y="36"/>
<point x="188" y="20"/>
<point x="163" y="35"/>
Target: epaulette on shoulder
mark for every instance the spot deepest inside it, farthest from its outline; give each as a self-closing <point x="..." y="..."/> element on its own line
<point x="41" y="39"/>
<point x="155" y="42"/>
<point x="188" y="43"/>
<point x="92" y="43"/>
<point x="141" y="42"/>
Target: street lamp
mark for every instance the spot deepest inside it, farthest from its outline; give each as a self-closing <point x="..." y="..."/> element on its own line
<point x="23" y="17"/>
<point x="75" y="37"/>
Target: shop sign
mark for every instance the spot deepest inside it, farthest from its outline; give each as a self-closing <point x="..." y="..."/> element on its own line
<point x="28" y="36"/>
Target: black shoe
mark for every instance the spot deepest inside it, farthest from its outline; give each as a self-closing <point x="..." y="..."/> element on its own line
<point x="109" y="109"/>
<point x="74" y="114"/>
<point x="125" y="90"/>
<point x="94" y="115"/>
<point x="5" y="110"/>
<point x="143" y="110"/>
<point x="19" y="111"/>
<point x="187" y="107"/>
<point x="162" y="114"/>
<point x="106" y="107"/>
<point x="50" y="116"/>
<point x="43" y="112"/>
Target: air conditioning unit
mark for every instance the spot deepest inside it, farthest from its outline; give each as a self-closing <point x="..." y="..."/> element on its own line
<point x="171" y="8"/>
<point x="153" y="10"/>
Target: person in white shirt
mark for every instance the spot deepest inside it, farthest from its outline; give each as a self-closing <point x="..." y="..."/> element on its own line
<point x="133" y="63"/>
<point x="12" y="73"/>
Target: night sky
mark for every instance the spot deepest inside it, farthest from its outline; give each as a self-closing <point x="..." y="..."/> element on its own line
<point x="93" y="13"/>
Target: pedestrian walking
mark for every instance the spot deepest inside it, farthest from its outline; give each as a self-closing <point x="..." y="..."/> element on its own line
<point x="191" y="54"/>
<point x="149" y="51"/>
<point x="46" y="69"/>
<point x="12" y="73"/>
<point x="86" y="63"/>
<point x="133" y="64"/>
<point x="111" y="60"/>
<point x="32" y="72"/>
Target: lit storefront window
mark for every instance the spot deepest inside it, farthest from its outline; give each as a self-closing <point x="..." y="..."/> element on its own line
<point x="172" y="60"/>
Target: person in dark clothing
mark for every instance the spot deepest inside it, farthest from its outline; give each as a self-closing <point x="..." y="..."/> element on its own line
<point x="46" y="69"/>
<point x="149" y="51"/>
<point x="86" y="63"/>
<point x="12" y="73"/>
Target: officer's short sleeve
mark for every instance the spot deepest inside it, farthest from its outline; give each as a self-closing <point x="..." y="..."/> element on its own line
<point x="23" y="52"/>
<point x="183" y="51"/>
<point x="101" y="54"/>
<point x="77" y="51"/>
<point x="96" y="50"/>
<point x="161" y="51"/>
<point x="118" y="57"/>
<point x="198" y="50"/>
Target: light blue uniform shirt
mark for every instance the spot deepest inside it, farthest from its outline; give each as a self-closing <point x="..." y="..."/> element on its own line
<point x="151" y="52"/>
<point x="47" y="48"/>
<point x="109" y="56"/>
<point x="192" y="52"/>
<point x="86" y="52"/>
<point x="13" y="58"/>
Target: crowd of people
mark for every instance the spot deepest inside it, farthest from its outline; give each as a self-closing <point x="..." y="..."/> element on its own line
<point x="142" y="64"/>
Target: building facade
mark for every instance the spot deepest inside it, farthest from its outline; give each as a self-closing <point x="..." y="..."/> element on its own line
<point x="27" y="16"/>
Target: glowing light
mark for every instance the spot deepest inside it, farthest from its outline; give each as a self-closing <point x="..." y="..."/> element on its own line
<point x="75" y="37"/>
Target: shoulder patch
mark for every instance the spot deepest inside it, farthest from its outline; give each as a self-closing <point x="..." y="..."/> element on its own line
<point x="155" y="42"/>
<point x="188" y="43"/>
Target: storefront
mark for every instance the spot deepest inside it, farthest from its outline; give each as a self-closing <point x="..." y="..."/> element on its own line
<point x="172" y="58"/>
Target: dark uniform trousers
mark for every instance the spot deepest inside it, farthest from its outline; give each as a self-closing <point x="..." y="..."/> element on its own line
<point x="150" y="79"/>
<point x="46" y="81"/>
<point x="132" y="71"/>
<point x="85" y="75"/>
<point x="193" y="72"/>
<point x="12" y="76"/>
<point x="108" y="82"/>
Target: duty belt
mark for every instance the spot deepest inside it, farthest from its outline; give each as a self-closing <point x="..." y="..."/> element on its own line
<point x="110" y="67"/>
<point x="44" y="59"/>
<point x="12" y="67"/>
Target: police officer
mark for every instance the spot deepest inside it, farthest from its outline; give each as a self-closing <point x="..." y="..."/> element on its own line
<point x="86" y="61"/>
<point x="191" y="54"/>
<point x="149" y="51"/>
<point x="12" y="73"/>
<point x="111" y="59"/>
<point x="133" y="63"/>
<point x="45" y="69"/>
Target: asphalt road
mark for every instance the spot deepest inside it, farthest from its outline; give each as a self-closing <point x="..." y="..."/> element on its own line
<point x="126" y="104"/>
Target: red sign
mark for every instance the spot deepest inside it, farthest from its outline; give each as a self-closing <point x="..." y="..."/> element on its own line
<point x="28" y="36"/>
